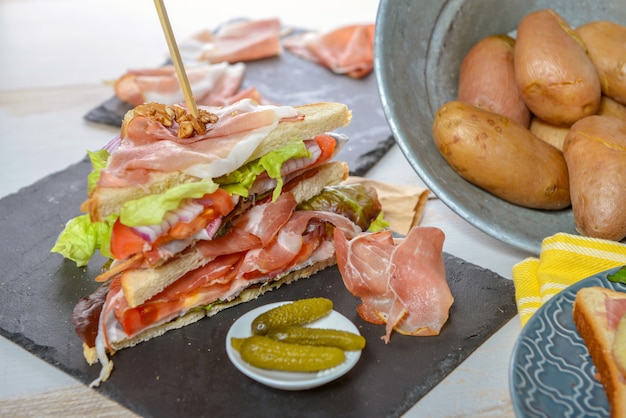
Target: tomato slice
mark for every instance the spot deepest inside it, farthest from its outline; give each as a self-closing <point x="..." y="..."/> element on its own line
<point x="221" y="201"/>
<point x="327" y="144"/>
<point x="125" y="241"/>
<point x="216" y="204"/>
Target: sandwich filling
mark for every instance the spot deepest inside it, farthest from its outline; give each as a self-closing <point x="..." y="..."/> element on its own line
<point x="269" y="241"/>
<point x="235" y="217"/>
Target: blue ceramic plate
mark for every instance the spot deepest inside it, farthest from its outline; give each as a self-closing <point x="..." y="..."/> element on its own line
<point x="551" y="372"/>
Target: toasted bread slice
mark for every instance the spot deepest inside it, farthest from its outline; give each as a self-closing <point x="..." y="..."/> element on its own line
<point x="318" y="118"/>
<point x="141" y="284"/>
<point x="592" y="321"/>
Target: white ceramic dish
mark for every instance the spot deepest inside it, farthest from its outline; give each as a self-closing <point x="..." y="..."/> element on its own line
<point x="290" y="380"/>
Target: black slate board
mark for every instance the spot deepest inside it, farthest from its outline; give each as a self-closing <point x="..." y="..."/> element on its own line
<point x="186" y="372"/>
<point x="290" y="80"/>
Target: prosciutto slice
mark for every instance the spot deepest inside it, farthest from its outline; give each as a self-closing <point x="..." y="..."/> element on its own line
<point x="288" y="240"/>
<point x="402" y="285"/>
<point x="615" y="310"/>
<point x="212" y="84"/>
<point x="239" y="41"/>
<point x="345" y="50"/>
<point x="148" y="145"/>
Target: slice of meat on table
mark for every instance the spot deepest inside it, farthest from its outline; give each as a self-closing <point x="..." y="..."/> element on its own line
<point x="237" y="41"/>
<point x="401" y="284"/>
<point x="212" y="84"/>
<point x="345" y="50"/>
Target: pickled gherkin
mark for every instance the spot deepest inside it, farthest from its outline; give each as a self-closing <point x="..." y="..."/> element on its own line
<point x="344" y="340"/>
<point x="265" y="353"/>
<point x="297" y="313"/>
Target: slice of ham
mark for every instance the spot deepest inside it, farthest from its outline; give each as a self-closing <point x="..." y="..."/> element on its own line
<point x="233" y="42"/>
<point x="254" y="229"/>
<point x="212" y="84"/>
<point x="615" y="310"/>
<point x="345" y="50"/>
<point x="419" y="284"/>
<point x="295" y="241"/>
<point x="364" y="263"/>
<point x="225" y="146"/>
<point x="298" y="241"/>
<point x="264" y="221"/>
<point x="402" y="285"/>
<point x="248" y="93"/>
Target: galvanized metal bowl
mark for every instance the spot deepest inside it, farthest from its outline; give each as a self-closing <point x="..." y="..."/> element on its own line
<point x="418" y="48"/>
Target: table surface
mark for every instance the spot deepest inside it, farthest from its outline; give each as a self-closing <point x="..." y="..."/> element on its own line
<point x="56" y="59"/>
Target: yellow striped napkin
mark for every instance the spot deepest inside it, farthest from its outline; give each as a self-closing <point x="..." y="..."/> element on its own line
<point x="564" y="260"/>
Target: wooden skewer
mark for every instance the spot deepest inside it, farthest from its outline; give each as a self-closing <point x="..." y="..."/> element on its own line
<point x="178" y="62"/>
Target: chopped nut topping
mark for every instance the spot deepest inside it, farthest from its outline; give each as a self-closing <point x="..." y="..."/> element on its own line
<point x="188" y="126"/>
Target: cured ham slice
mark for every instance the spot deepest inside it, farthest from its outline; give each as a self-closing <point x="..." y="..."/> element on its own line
<point x="346" y="50"/>
<point x="360" y="260"/>
<point x="248" y="93"/>
<point x="419" y="284"/>
<point x="212" y="84"/>
<point x="402" y="285"/>
<point x="234" y="42"/>
<point x="264" y="221"/>
<point x="288" y="240"/>
<point x="148" y="145"/>
<point x="615" y="310"/>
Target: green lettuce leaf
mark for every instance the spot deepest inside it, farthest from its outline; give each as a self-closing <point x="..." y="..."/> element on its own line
<point x="150" y="210"/>
<point x="619" y="276"/>
<point x="357" y="202"/>
<point x="81" y="238"/>
<point x="379" y="223"/>
<point x="241" y="180"/>
<point x="98" y="162"/>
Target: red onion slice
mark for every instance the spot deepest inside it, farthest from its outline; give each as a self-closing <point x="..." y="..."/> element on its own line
<point x="113" y="144"/>
<point x="298" y="163"/>
<point x="187" y="212"/>
<point x="211" y="229"/>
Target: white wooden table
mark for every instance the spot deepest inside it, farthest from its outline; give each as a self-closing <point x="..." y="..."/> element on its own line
<point x="55" y="59"/>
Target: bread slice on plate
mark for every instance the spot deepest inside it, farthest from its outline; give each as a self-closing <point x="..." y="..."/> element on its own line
<point x="600" y="317"/>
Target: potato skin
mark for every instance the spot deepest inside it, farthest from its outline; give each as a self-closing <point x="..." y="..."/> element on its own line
<point x="552" y="134"/>
<point x="606" y="46"/>
<point x="501" y="156"/>
<point x="487" y="79"/>
<point x="557" y="79"/>
<point x="609" y="107"/>
<point x="595" y="152"/>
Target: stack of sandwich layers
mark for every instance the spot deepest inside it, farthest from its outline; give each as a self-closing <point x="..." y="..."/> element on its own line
<point x="199" y="213"/>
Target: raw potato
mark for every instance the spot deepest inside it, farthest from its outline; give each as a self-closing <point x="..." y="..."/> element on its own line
<point x="595" y="151"/>
<point x="557" y="79"/>
<point x="552" y="134"/>
<point x="487" y="79"/>
<point x="606" y="46"/>
<point x="501" y="156"/>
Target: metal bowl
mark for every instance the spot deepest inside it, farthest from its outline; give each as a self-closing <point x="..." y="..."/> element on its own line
<point x="418" y="49"/>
